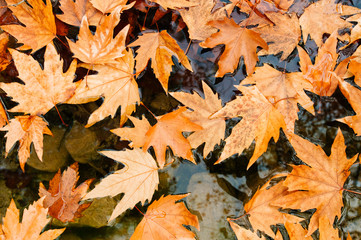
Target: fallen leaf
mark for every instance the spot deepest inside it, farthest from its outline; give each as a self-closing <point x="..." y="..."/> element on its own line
<point x="175" y="4"/>
<point x="238" y="41"/>
<point x="26" y="129"/>
<point x="213" y="129"/>
<point x="242" y="233"/>
<point x="107" y="6"/>
<point x="283" y="90"/>
<point x="197" y="17"/>
<point x="136" y="134"/>
<point x="43" y="89"/>
<point x="159" y="46"/>
<point x="39" y="21"/>
<point x="62" y="198"/>
<point x="4" y="119"/>
<point x="262" y="214"/>
<point x="73" y="12"/>
<point x="260" y="122"/>
<point x="164" y="219"/>
<point x="320" y="184"/>
<point x="115" y="82"/>
<point x="283" y="36"/>
<point x="296" y="231"/>
<point x="353" y="95"/>
<point x="137" y="180"/>
<point x="322" y="74"/>
<point x="32" y="223"/>
<point x="5" y="57"/>
<point x="168" y="132"/>
<point x="322" y="17"/>
<point x="327" y="232"/>
<point x="101" y="47"/>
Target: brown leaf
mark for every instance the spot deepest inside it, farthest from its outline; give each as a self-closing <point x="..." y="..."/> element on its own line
<point x="5" y="57"/>
<point x="107" y="6"/>
<point x="137" y="180"/>
<point x="39" y="23"/>
<point x="174" y="4"/>
<point x="159" y="47"/>
<point x="320" y="184"/>
<point x="32" y="223"/>
<point x="242" y="233"/>
<point x="164" y="219"/>
<point x="26" y="129"/>
<point x="238" y="41"/>
<point x="62" y="198"/>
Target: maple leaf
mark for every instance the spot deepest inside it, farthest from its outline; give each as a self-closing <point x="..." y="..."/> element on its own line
<point x="353" y="95"/>
<point x="261" y="121"/>
<point x="320" y="184"/>
<point x="5" y="57"/>
<point x="141" y="127"/>
<point x="115" y="82"/>
<point x="101" y="47"/>
<point x="43" y="89"/>
<point x="107" y="6"/>
<point x="33" y="221"/>
<point x="296" y="231"/>
<point x="39" y="21"/>
<point x="239" y="41"/>
<point x="63" y="198"/>
<point x="322" y="75"/>
<point x="283" y="36"/>
<point x="262" y="214"/>
<point x="213" y="129"/>
<point x="4" y="119"/>
<point x="164" y="219"/>
<point x="73" y="12"/>
<point x="168" y="132"/>
<point x="174" y="4"/>
<point x="159" y="46"/>
<point x="324" y="17"/>
<point x="26" y="129"/>
<point x="197" y="17"/>
<point x="327" y="232"/>
<point x="138" y="180"/>
<point x="242" y="233"/>
<point x="283" y="90"/>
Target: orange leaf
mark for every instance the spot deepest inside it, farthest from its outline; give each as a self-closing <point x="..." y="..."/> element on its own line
<point x="160" y="47"/>
<point x="63" y="198"/>
<point x="32" y="223"/>
<point x="238" y="41"/>
<point x="164" y="219"/>
<point x="26" y="129"/>
<point x="320" y="184"/>
<point x="242" y="233"/>
<point x="168" y="132"/>
<point x="107" y="6"/>
<point x="39" y="21"/>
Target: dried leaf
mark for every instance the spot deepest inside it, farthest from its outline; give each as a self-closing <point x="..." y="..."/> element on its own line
<point x="164" y="219"/>
<point x="238" y="41"/>
<point x="32" y="223"/>
<point x="62" y="198"/>
<point x="137" y="180"/>
<point x="73" y="12"/>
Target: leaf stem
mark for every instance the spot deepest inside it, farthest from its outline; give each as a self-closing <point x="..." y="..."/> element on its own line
<point x="60" y="116"/>
<point x="234" y="219"/>
<point x="359" y="193"/>
<point x="139" y="210"/>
